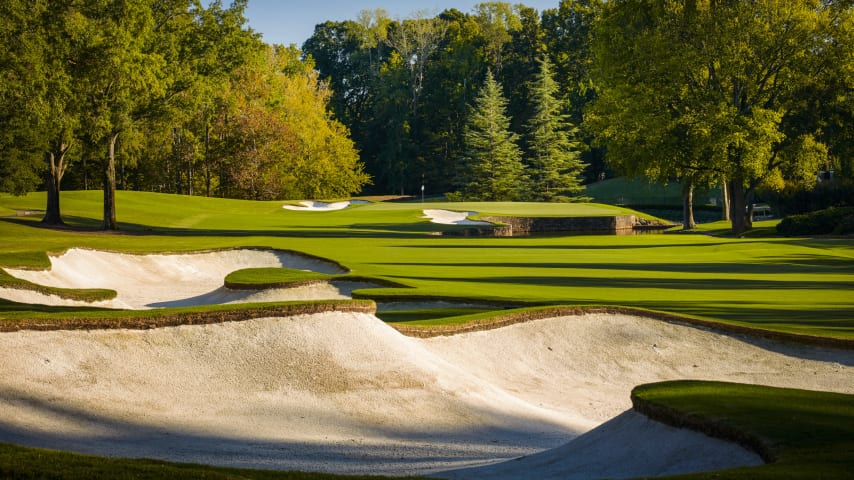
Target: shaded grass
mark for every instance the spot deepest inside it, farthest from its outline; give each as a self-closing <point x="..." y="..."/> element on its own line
<point x="36" y="463"/>
<point x="804" y="434"/>
<point x="433" y="316"/>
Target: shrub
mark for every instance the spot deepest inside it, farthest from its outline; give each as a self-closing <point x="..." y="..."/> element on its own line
<point x="795" y="199"/>
<point x="834" y="220"/>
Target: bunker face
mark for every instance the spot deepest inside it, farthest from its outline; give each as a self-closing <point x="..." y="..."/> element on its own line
<point x="150" y="281"/>
<point x="315" y="206"/>
<point x="448" y="217"/>
<point x="344" y="392"/>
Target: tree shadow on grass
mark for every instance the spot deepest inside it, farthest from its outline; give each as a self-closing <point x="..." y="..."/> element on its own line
<point x="802" y="265"/>
<point x="82" y="225"/>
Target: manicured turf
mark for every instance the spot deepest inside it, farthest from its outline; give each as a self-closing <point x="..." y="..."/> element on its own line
<point x="252" y="278"/>
<point x="803" y="434"/>
<point x="796" y="285"/>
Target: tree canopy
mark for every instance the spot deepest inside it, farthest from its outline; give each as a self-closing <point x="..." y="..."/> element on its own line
<point x="181" y="96"/>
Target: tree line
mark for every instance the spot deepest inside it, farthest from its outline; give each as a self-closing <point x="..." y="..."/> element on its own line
<point x="171" y="96"/>
<point x="745" y="94"/>
<point x="499" y="103"/>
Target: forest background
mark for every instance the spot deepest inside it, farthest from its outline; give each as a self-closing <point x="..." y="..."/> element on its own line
<point x="181" y="97"/>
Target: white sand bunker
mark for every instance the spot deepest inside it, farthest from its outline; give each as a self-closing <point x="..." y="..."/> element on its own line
<point x="449" y="217"/>
<point x="315" y="206"/>
<point x="344" y="392"/>
<point x="150" y="281"/>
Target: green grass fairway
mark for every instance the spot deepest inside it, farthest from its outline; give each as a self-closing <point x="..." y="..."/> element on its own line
<point x="797" y="285"/>
<point x="792" y="285"/>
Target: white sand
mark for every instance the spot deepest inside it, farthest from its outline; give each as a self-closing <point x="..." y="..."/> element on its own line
<point x="448" y="217"/>
<point x="149" y="281"/>
<point x="343" y="392"/>
<point x="315" y="206"/>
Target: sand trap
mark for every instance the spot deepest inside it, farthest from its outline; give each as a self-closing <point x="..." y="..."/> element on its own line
<point x="150" y="281"/>
<point x="343" y="392"/>
<point x="448" y="217"/>
<point x="315" y="206"/>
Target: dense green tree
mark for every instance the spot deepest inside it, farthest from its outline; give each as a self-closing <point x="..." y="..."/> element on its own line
<point x="721" y="73"/>
<point x="498" y="21"/>
<point x="554" y="164"/>
<point x="492" y="160"/>
<point x="286" y="144"/>
<point x="22" y="144"/>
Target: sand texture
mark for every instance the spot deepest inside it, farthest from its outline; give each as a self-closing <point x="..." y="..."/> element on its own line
<point x="344" y="392"/>
<point x="152" y="281"/>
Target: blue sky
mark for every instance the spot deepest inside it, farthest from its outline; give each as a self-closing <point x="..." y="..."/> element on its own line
<point x="293" y="21"/>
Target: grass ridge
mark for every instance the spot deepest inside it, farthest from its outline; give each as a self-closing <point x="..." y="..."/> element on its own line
<point x="148" y="319"/>
<point x="494" y="320"/>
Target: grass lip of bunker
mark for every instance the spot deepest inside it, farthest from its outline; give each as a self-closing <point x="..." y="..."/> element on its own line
<point x="164" y="280"/>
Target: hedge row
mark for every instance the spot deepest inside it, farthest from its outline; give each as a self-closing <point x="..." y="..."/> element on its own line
<point x="834" y="220"/>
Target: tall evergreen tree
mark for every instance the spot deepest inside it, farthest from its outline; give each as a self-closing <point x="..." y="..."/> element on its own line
<point x="554" y="158"/>
<point x="492" y="159"/>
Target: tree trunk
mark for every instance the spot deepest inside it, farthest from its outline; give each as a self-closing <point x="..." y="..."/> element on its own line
<point x="207" y="161"/>
<point x="688" y="222"/>
<point x="725" y="201"/>
<point x="110" y="186"/>
<point x="53" y="179"/>
<point x="739" y="215"/>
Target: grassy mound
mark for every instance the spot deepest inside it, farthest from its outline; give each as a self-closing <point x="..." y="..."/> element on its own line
<point x="260" y="278"/>
<point x="83" y="295"/>
<point x="816" y="439"/>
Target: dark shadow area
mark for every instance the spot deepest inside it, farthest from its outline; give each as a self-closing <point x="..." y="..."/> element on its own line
<point x="407" y="450"/>
<point x="657" y="283"/>
<point x="817" y="265"/>
<point x="513" y="243"/>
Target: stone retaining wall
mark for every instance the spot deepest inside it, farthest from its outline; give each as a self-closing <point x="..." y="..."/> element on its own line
<point x="528" y="225"/>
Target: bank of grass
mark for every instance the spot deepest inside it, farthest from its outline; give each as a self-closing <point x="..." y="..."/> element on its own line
<point x="18" y="316"/>
<point x="802" y="434"/>
<point x="261" y="278"/>
<point x="83" y="295"/>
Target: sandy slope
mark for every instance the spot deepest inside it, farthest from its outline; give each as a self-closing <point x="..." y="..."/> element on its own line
<point x="148" y="281"/>
<point x="315" y="206"/>
<point x="449" y="217"/>
<point x="343" y="392"/>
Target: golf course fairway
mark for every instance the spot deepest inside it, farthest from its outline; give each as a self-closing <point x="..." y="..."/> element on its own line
<point x="568" y="328"/>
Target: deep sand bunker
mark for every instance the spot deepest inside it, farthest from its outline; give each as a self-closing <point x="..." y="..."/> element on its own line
<point x="171" y="280"/>
<point x="344" y="392"/>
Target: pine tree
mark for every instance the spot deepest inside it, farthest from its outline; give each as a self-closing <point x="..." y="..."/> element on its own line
<point x="492" y="160"/>
<point x="554" y="159"/>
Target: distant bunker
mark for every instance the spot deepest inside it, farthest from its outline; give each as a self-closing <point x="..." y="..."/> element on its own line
<point x="507" y="226"/>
